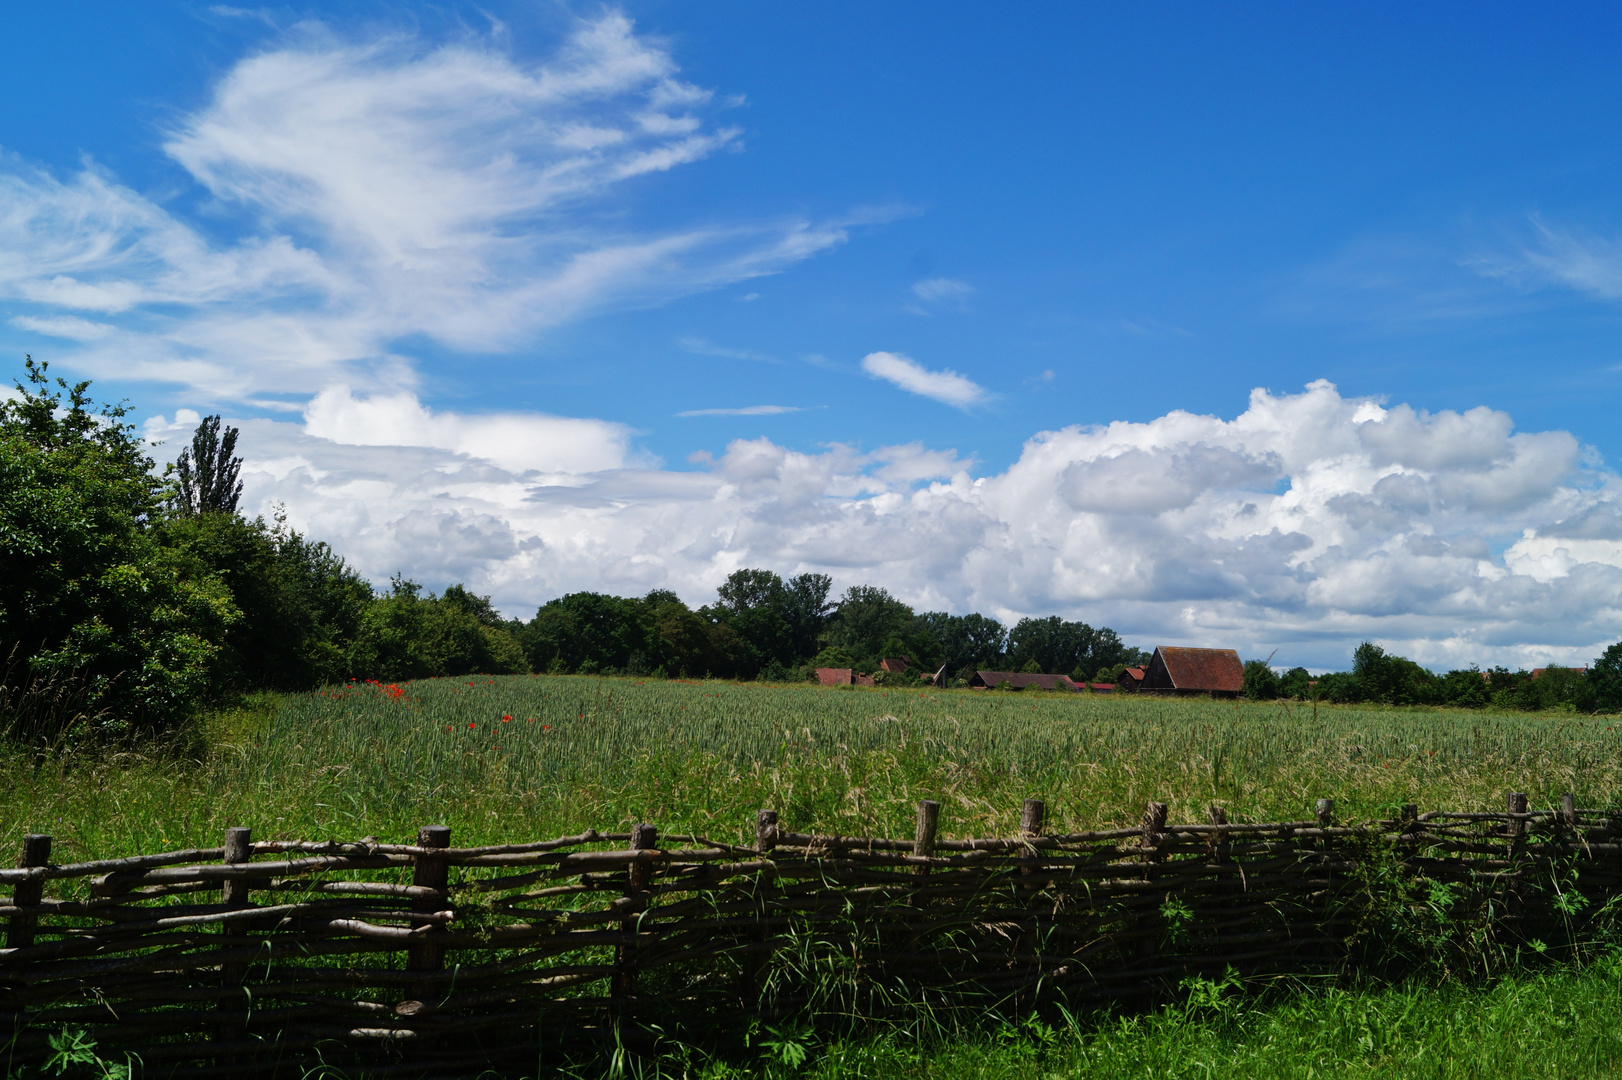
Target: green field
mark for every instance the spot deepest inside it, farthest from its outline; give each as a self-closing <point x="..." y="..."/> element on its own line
<point x="580" y="751"/>
<point x="521" y="757"/>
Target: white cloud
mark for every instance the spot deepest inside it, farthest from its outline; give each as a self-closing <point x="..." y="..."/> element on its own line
<point x="1307" y="523"/>
<point x="64" y="326"/>
<point x="947" y="387"/>
<point x="941" y="288"/>
<point x="520" y="443"/>
<point x="747" y="410"/>
<point x="384" y="188"/>
<point x="700" y="347"/>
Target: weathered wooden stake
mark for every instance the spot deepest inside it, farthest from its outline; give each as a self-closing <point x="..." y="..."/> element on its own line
<point x="1030" y="827"/>
<point x="1515" y="831"/>
<point x="923" y="837"/>
<point x="1324" y="811"/>
<point x="1568" y="815"/>
<point x="1031" y="816"/>
<point x="238" y="849"/>
<point x="1515" y="828"/>
<point x="765" y="843"/>
<point x="1154" y="824"/>
<point x="36" y="852"/>
<point x="766" y="831"/>
<point x="644" y="837"/>
<point x="429" y="872"/>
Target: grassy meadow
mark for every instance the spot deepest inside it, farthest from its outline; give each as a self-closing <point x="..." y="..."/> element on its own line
<point x="519" y="757"/>
<point x="522" y="757"/>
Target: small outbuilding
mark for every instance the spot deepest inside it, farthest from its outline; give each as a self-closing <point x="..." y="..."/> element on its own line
<point x="1177" y="670"/>
<point x="896" y="665"/>
<point x="1131" y="679"/>
<point x="1019" y="680"/>
<point x="833" y="676"/>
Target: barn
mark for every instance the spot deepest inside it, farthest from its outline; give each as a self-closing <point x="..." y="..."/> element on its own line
<point x="1177" y="670"/>
<point x="1019" y="680"/>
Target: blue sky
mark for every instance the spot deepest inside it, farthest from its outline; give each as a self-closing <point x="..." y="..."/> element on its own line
<point x="546" y="297"/>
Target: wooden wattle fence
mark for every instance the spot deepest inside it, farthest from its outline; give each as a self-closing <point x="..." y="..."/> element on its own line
<point x="409" y="959"/>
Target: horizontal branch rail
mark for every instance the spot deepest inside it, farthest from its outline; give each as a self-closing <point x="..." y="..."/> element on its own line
<point x="254" y="956"/>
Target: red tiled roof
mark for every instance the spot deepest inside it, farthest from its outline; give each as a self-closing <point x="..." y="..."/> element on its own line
<point x="1019" y="680"/>
<point x="833" y="676"/>
<point x="1218" y="670"/>
<point x="896" y="665"/>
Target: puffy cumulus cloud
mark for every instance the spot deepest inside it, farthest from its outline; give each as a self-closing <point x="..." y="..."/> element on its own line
<point x="1307" y="523"/>
<point x="383" y="188"/>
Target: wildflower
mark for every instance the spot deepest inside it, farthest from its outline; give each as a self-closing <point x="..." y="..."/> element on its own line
<point x="506" y="719"/>
<point x="472" y="725"/>
<point x="546" y="727"/>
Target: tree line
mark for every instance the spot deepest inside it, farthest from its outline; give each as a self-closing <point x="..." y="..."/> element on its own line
<point x="1380" y="678"/>
<point x="130" y="597"/>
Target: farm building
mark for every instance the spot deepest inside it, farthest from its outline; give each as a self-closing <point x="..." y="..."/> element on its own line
<point x="1131" y="678"/>
<point x="833" y="676"/>
<point x="1019" y="680"/>
<point x="896" y="665"/>
<point x="1176" y="670"/>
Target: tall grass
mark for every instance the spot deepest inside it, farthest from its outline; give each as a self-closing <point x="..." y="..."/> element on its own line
<point x="578" y="751"/>
<point x="1554" y="1025"/>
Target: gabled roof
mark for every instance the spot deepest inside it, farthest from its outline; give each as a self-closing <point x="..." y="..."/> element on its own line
<point x="894" y="664"/>
<point x="1019" y="680"/>
<point x="833" y="676"/>
<point x="1133" y="673"/>
<point x="1217" y="670"/>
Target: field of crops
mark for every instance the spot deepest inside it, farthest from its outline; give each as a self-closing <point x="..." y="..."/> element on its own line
<point x="533" y="756"/>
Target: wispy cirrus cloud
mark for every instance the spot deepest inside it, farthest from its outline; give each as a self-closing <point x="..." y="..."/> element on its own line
<point x="747" y="410"/>
<point x="385" y="188"/>
<point x="1589" y="264"/>
<point x="701" y="347"/>
<point x="946" y="387"/>
<point x="941" y="288"/>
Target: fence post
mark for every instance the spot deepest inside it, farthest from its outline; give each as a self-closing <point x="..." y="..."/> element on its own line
<point x="923" y="837"/>
<point x="754" y="972"/>
<point x="1515" y="829"/>
<point x="1515" y="834"/>
<point x="644" y="837"/>
<point x="428" y="872"/>
<point x="766" y="831"/>
<point x="1568" y="817"/>
<point x="1031" y="816"/>
<point x="36" y="852"/>
<point x="1154" y="824"/>
<point x="238" y="849"/>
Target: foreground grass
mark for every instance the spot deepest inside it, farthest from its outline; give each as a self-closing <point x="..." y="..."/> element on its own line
<point x="533" y="756"/>
<point x="1559" y="1024"/>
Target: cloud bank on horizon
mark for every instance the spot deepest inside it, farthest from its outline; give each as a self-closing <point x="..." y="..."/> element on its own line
<point x="391" y="190"/>
<point x="1306" y="522"/>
